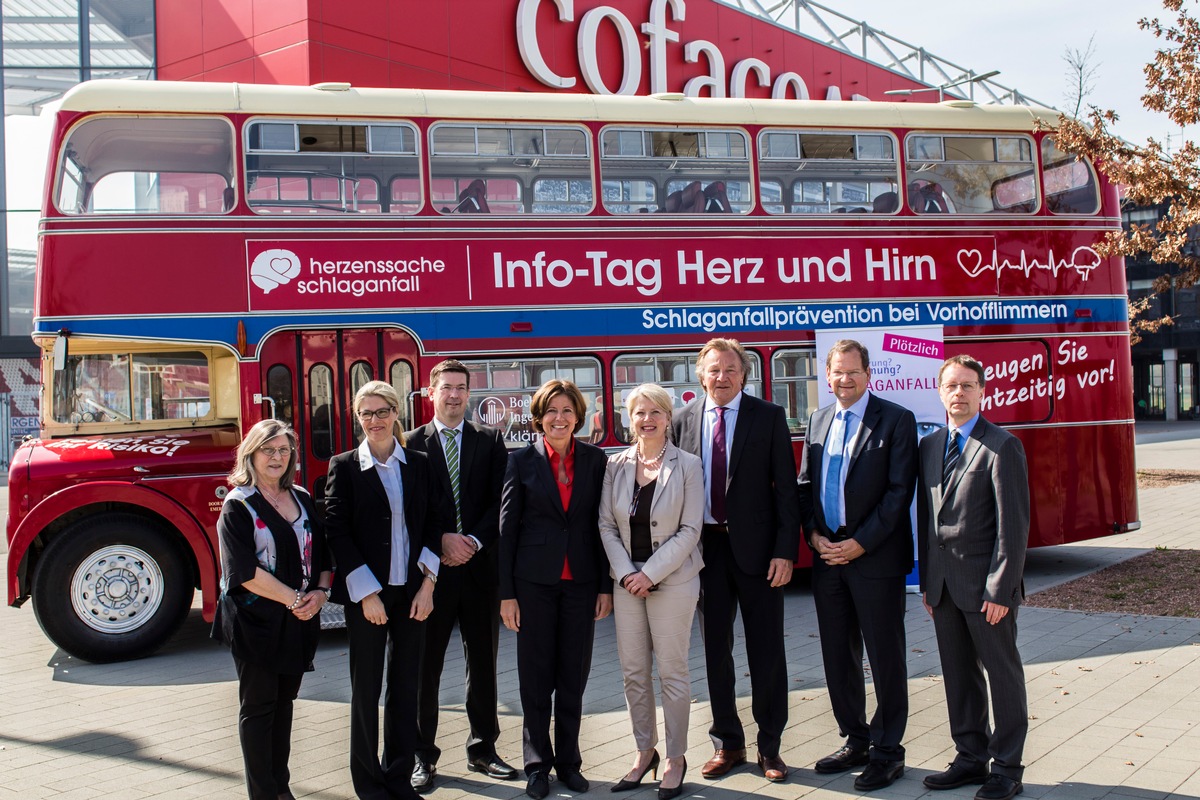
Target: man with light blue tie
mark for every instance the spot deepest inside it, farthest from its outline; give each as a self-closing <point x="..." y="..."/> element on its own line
<point x="856" y="481"/>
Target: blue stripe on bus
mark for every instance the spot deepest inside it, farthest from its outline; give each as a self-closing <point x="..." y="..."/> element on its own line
<point x="494" y="325"/>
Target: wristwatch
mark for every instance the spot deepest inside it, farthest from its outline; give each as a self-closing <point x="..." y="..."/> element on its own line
<point x="328" y="590"/>
<point x="432" y="578"/>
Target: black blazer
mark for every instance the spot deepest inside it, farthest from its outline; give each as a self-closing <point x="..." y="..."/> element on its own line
<point x="358" y="518"/>
<point x="760" y="498"/>
<point x="536" y="534"/>
<point x="256" y="629"/>
<point x="482" y="459"/>
<point x="879" y="485"/>
<point x="973" y="533"/>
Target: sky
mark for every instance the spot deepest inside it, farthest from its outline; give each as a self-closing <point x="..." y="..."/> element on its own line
<point x="1024" y="39"/>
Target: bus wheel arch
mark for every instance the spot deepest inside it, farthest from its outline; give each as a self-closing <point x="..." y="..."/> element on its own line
<point x="113" y="586"/>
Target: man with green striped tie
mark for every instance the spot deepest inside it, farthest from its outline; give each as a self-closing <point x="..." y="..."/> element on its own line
<point x="469" y="459"/>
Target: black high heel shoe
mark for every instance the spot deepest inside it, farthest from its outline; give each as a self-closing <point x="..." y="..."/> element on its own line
<point x="671" y="794"/>
<point x="624" y="785"/>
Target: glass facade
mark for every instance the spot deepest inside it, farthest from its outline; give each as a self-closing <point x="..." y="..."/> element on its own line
<point x="48" y="46"/>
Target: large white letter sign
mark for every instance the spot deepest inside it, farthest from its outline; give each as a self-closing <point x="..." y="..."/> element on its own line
<point x="786" y="79"/>
<point x="741" y="71"/>
<point x="631" y="51"/>
<point x="656" y="30"/>
<point x="715" y="79"/>
<point x="527" y="43"/>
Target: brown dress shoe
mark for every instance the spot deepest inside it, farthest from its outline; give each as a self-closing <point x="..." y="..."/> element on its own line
<point x="722" y="762"/>
<point x="773" y="768"/>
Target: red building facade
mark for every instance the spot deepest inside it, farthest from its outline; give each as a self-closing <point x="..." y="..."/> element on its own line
<point x="698" y="47"/>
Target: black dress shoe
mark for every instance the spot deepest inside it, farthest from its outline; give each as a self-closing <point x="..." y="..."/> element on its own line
<point x="956" y="775"/>
<point x="573" y="779"/>
<point x="624" y="785"/>
<point x="999" y="787"/>
<point x="674" y="791"/>
<point x="879" y="774"/>
<point x="492" y="766"/>
<point x="538" y="785"/>
<point x="422" y="776"/>
<point x="846" y="758"/>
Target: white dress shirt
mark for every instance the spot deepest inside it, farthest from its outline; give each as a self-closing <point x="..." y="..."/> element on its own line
<point x="441" y="429"/>
<point x="706" y="429"/>
<point x="853" y="424"/>
<point x="362" y="582"/>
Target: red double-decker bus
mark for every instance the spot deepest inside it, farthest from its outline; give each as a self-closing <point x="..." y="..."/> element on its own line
<point x="213" y="254"/>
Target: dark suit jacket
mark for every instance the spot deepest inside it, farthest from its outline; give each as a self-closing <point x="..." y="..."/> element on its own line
<point x="536" y="534"/>
<point x="482" y="459"/>
<point x="760" y="496"/>
<point x="973" y="533"/>
<point x="358" y="518"/>
<point x="879" y="486"/>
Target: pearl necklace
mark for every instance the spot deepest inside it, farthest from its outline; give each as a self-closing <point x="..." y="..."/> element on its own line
<point x="652" y="462"/>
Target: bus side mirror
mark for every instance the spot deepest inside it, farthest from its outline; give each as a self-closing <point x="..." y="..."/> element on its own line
<point x="60" y="351"/>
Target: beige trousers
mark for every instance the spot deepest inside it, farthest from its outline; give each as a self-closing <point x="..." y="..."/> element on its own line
<point x="657" y="628"/>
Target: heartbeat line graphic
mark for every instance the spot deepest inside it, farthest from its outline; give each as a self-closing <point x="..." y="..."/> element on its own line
<point x="1083" y="261"/>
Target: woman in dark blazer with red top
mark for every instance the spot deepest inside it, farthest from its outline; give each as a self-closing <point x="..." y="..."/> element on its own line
<point x="554" y="580"/>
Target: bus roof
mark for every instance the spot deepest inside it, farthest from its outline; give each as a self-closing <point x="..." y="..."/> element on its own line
<point x="343" y="100"/>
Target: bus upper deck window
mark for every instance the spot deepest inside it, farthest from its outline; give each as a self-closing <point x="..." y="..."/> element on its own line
<point x="510" y="169"/>
<point x="675" y="171"/>
<point x="307" y="168"/>
<point x="969" y="174"/>
<point x="817" y="172"/>
<point x="147" y="165"/>
<point x="1070" y="182"/>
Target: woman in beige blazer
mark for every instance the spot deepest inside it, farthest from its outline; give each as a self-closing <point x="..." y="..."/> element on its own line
<point x="651" y="511"/>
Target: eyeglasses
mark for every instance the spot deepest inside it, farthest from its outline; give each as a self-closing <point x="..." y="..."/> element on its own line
<point x="952" y="388"/>
<point x="271" y="452"/>
<point x="379" y="414"/>
<point x="852" y="375"/>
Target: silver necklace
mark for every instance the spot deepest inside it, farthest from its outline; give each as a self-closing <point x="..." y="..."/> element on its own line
<point x="272" y="500"/>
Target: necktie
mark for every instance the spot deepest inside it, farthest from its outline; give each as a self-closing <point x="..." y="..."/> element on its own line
<point x="832" y="499"/>
<point x="452" y="466"/>
<point x="952" y="454"/>
<point x="720" y="469"/>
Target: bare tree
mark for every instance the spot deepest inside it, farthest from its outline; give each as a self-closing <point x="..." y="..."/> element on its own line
<point x="1150" y="174"/>
<point x="1082" y="69"/>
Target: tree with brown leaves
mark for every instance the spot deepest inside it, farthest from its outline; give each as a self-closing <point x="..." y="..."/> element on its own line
<point x="1150" y="174"/>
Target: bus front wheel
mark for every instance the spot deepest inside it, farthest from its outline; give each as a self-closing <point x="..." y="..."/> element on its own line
<point x="111" y="588"/>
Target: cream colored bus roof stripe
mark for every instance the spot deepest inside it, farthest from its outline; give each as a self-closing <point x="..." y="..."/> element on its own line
<point x="183" y="97"/>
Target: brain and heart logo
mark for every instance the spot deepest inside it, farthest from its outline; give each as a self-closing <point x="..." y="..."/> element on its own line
<point x="273" y="268"/>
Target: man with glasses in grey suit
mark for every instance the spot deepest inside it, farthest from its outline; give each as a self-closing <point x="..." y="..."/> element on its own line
<point x="972" y="530"/>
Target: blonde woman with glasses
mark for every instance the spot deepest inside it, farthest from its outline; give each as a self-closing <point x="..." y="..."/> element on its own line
<point x="651" y="511"/>
<point x="275" y="578"/>
<point x="385" y="516"/>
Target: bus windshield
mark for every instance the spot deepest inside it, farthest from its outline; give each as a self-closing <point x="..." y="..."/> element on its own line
<point x="129" y="387"/>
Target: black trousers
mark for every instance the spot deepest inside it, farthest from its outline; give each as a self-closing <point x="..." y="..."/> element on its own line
<point x="723" y="590"/>
<point x="554" y="656"/>
<point x="969" y="646"/>
<point x="476" y="609"/>
<point x="853" y="610"/>
<point x="266" y="699"/>
<point x="377" y="651"/>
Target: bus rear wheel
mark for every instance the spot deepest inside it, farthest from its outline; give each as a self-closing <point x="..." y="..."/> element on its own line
<point x="111" y="588"/>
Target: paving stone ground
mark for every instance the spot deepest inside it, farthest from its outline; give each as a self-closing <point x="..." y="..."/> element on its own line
<point x="1114" y="703"/>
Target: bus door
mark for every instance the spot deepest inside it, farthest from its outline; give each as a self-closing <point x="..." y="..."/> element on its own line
<point x="311" y="377"/>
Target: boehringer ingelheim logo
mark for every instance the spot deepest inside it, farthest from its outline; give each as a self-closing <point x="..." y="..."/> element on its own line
<point x="272" y="268"/>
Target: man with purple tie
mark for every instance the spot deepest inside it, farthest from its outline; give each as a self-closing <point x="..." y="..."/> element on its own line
<point x="750" y="539"/>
